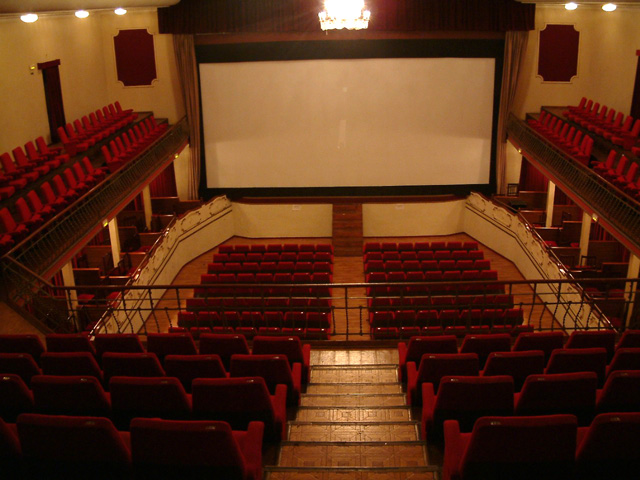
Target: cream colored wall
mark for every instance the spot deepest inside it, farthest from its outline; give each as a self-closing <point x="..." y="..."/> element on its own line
<point x="163" y="97"/>
<point x="77" y="44"/>
<point x="277" y="220"/>
<point x="412" y="219"/>
<point x="607" y="59"/>
<point x="87" y="71"/>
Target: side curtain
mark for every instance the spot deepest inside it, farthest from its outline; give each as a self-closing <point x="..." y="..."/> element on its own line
<point x="188" y="74"/>
<point x="515" y="46"/>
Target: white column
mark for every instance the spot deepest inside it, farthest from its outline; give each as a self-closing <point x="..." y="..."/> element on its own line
<point x="630" y="288"/>
<point x="115" y="240"/>
<point x="585" y="231"/>
<point x="551" y="198"/>
<point x="146" y="204"/>
<point x="72" y="295"/>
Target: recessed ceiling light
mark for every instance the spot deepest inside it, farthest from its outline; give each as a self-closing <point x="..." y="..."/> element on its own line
<point x="82" y="14"/>
<point x="571" y="5"/>
<point x="29" y="18"/>
<point x="609" y="7"/>
<point x="120" y="11"/>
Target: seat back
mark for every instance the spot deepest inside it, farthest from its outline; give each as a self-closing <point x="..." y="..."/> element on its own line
<point x="70" y="363"/>
<point x="629" y="339"/>
<point x="274" y="369"/>
<point x="609" y="447"/>
<point x="162" y="397"/>
<point x="197" y="449"/>
<point x="624" y="359"/>
<point x="237" y="401"/>
<point x="593" y="338"/>
<point x="545" y="341"/>
<point x="466" y="399"/>
<point x="69" y="342"/>
<point x="21" y="364"/>
<point x="117" y="342"/>
<point x="291" y="347"/>
<point x="15" y="397"/>
<point x="70" y="395"/>
<point x="548" y="394"/>
<point x="621" y="392"/>
<point x="22" y="343"/>
<point x="565" y="360"/>
<point x="518" y="365"/>
<point x="521" y="447"/>
<point x="483" y="345"/>
<point x="163" y="344"/>
<point x="418" y="346"/>
<point x="434" y="366"/>
<point x="186" y="368"/>
<point x="131" y="365"/>
<point x="57" y="446"/>
<point x="10" y="451"/>
<point x="224" y="345"/>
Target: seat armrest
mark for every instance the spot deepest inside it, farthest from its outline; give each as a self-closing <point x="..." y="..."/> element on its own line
<point x="452" y="450"/>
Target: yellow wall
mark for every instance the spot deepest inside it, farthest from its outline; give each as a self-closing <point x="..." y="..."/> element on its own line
<point x="87" y="71"/>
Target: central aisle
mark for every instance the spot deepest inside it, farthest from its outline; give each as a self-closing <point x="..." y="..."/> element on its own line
<point x="353" y="423"/>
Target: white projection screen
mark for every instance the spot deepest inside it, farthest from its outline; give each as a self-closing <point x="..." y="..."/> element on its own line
<point x="371" y="122"/>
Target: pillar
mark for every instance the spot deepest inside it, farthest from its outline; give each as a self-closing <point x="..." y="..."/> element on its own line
<point x="114" y="235"/>
<point x="551" y="198"/>
<point x="146" y="204"/>
<point x="69" y="280"/>
<point x="630" y="288"/>
<point x="585" y="231"/>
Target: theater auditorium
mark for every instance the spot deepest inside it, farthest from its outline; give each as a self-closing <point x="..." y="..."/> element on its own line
<point x="319" y="240"/>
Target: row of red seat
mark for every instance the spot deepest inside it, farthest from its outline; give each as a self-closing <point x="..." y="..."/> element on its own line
<point x="35" y="213"/>
<point x="423" y="255"/>
<point x="255" y="319"/>
<point x="49" y="446"/>
<point x="545" y="342"/>
<point x="418" y="246"/>
<point x="273" y="257"/>
<point x="269" y="268"/>
<point x="425" y="266"/>
<point x="604" y="122"/>
<point x="446" y="317"/>
<point x="97" y="126"/>
<point x="439" y="283"/>
<point x="622" y="175"/>
<point x="126" y="146"/>
<point x="459" y="331"/>
<point x="22" y="171"/>
<point x="567" y="137"/>
<point x="277" y="248"/>
<point x="546" y="446"/>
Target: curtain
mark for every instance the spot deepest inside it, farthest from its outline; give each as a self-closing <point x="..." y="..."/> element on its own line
<point x="164" y="185"/>
<point x="188" y="74"/>
<point x="531" y="180"/>
<point x="515" y="45"/>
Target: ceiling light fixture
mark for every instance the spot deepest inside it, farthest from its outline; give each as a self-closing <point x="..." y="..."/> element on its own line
<point x="29" y="17"/>
<point x="120" y="11"/>
<point x="609" y="7"/>
<point x="571" y="5"/>
<point x="338" y="14"/>
<point x="82" y="14"/>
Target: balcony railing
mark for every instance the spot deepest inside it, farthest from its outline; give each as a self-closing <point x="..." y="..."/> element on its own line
<point x="584" y="186"/>
<point x="61" y="236"/>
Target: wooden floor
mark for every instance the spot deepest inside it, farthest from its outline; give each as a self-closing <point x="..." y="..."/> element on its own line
<point x="346" y="270"/>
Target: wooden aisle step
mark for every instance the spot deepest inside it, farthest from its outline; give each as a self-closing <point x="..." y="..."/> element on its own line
<point x="353" y="423"/>
<point x="347" y="229"/>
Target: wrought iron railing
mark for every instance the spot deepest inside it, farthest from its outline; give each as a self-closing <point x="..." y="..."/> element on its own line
<point x="619" y="210"/>
<point x="349" y="305"/>
<point x="64" y="233"/>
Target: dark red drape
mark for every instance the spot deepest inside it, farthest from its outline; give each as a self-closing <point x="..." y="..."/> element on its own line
<point x="298" y="16"/>
<point x="164" y="185"/>
<point x="531" y="179"/>
<point x="53" y="96"/>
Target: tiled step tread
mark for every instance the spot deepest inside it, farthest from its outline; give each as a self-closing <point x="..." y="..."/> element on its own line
<point x="347" y="474"/>
<point x="350" y="455"/>
<point x="349" y="414"/>
<point x="368" y="375"/>
<point x="353" y="432"/>
<point x="353" y="400"/>
<point x="361" y="389"/>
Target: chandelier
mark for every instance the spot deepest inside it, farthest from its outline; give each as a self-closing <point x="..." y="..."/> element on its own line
<point x="339" y="14"/>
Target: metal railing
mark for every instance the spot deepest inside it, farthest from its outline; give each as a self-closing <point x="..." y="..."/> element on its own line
<point x="546" y="305"/>
<point x="41" y="250"/>
<point x="619" y="210"/>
